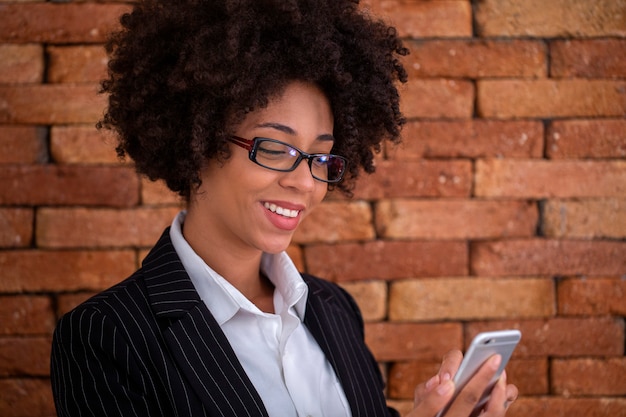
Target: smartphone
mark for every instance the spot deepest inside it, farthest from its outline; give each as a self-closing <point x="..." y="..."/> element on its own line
<point x="484" y="345"/>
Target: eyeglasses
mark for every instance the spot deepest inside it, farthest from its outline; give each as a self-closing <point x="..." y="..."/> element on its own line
<point x="279" y="156"/>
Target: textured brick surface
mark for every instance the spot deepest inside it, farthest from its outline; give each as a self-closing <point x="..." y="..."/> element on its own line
<point x="600" y="296"/>
<point x="590" y="376"/>
<point x="21" y="64"/>
<point x="588" y="58"/>
<point x="585" y="218"/>
<point x="604" y="138"/>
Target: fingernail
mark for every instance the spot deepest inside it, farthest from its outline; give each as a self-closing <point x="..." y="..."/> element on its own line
<point x="431" y="382"/>
<point x="445" y="388"/>
<point x="446" y="377"/>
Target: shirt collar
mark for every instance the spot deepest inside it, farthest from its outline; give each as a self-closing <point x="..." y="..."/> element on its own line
<point x="222" y="298"/>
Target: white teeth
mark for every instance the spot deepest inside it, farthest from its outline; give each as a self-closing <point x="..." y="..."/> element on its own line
<point x="281" y="210"/>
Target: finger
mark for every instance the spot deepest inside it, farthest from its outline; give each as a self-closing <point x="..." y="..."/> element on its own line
<point x="499" y="401"/>
<point x="431" y="397"/>
<point x="450" y="364"/>
<point x="470" y="395"/>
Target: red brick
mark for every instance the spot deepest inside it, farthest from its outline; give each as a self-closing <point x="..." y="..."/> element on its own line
<point x="157" y="193"/>
<point x="425" y="18"/>
<point x="474" y="58"/>
<point x="25" y="314"/>
<point x="584" y="218"/>
<point x="25" y="356"/>
<point x="398" y="179"/>
<point x="448" y="219"/>
<point x="16" y="226"/>
<point x="297" y="256"/>
<point x="567" y="407"/>
<point x="109" y="228"/>
<point x="51" y="104"/>
<point x="26" y="397"/>
<point x="22" y="145"/>
<point x="469" y="139"/>
<point x="561" y="337"/>
<point x="66" y="302"/>
<point x="588" y="58"/>
<point x="371" y="296"/>
<point x="336" y="221"/>
<point x="539" y="179"/>
<point x="589" y="376"/>
<point x="518" y="257"/>
<point x="470" y="299"/>
<point x="437" y="98"/>
<point x="67" y="185"/>
<point x="508" y="99"/>
<point x="604" y="138"/>
<point x="529" y="375"/>
<point x="58" y="23"/>
<point x="594" y="297"/>
<point x="35" y="270"/>
<point x="387" y="260"/>
<point x="410" y="341"/>
<point x="556" y="18"/>
<point x="21" y="64"/>
<point x="82" y="145"/>
<point x="76" y="64"/>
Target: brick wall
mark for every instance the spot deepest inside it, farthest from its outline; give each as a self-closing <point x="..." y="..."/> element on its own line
<point x="504" y="207"/>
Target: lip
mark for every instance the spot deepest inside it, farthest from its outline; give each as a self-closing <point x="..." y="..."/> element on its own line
<point x="282" y="222"/>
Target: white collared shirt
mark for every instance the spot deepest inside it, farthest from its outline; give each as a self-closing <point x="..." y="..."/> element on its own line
<point x="280" y="356"/>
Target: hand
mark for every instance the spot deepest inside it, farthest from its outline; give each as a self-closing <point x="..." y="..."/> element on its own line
<point x="434" y="394"/>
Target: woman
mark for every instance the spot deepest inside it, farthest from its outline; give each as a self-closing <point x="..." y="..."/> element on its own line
<point x="250" y="110"/>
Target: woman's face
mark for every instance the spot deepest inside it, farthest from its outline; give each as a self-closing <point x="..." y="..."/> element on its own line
<point x="245" y="206"/>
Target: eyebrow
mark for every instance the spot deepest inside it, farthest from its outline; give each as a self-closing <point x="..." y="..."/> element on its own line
<point x="288" y="130"/>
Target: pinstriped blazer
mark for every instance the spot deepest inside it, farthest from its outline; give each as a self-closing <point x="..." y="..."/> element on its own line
<point x="149" y="346"/>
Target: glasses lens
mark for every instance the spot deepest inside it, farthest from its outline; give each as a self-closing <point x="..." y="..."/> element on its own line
<point x="327" y="167"/>
<point x="275" y="155"/>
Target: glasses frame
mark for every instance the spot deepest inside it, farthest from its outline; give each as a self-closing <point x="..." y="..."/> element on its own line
<point x="252" y="145"/>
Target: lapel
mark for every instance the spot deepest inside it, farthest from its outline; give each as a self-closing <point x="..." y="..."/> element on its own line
<point x="195" y="340"/>
<point x="338" y="329"/>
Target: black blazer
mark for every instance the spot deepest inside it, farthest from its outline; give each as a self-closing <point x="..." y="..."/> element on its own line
<point x="149" y="346"/>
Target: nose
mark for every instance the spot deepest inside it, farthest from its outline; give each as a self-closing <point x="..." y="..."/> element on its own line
<point x="300" y="178"/>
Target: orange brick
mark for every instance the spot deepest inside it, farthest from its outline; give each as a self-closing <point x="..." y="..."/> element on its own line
<point x="82" y="145"/>
<point x="469" y="139"/>
<point x="25" y="356"/>
<point x="410" y="341"/>
<point x="76" y="64"/>
<point x="26" y="397"/>
<point x="157" y="193"/>
<point x="519" y="257"/>
<point x="371" y="296"/>
<point x="437" y="98"/>
<point x="51" y="104"/>
<point x="561" y="337"/>
<point x="387" y="260"/>
<point x="539" y="179"/>
<point x="556" y="18"/>
<point x="589" y="376"/>
<point x="507" y="99"/>
<point x="21" y="64"/>
<point x="35" y="270"/>
<point x="588" y="58"/>
<point x="22" y="145"/>
<point x="58" y="23"/>
<point x="473" y="58"/>
<point x="604" y="138"/>
<point x="568" y="407"/>
<point x="400" y="179"/>
<point x="111" y="228"/>
<point x="425" y="18"/>
<point x="336" y="221"/>
<point x="470" y="299"/>
<point x="584" y="218"/>
<point x="25" y="314"/>
<point x="597" y="297"/>
<point x="66" y="302"/>
<point x="65" y="185"/>
<point x="16" y="226"/>
<point x="297" y="256"/>
<point x="448" y="219"/>
<point x="529" y="375"/>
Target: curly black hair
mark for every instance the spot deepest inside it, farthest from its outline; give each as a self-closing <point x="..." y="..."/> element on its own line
<point x="183" y="73"/>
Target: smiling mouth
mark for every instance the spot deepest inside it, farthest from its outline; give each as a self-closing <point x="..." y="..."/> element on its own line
<point x="281" y="210"/>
